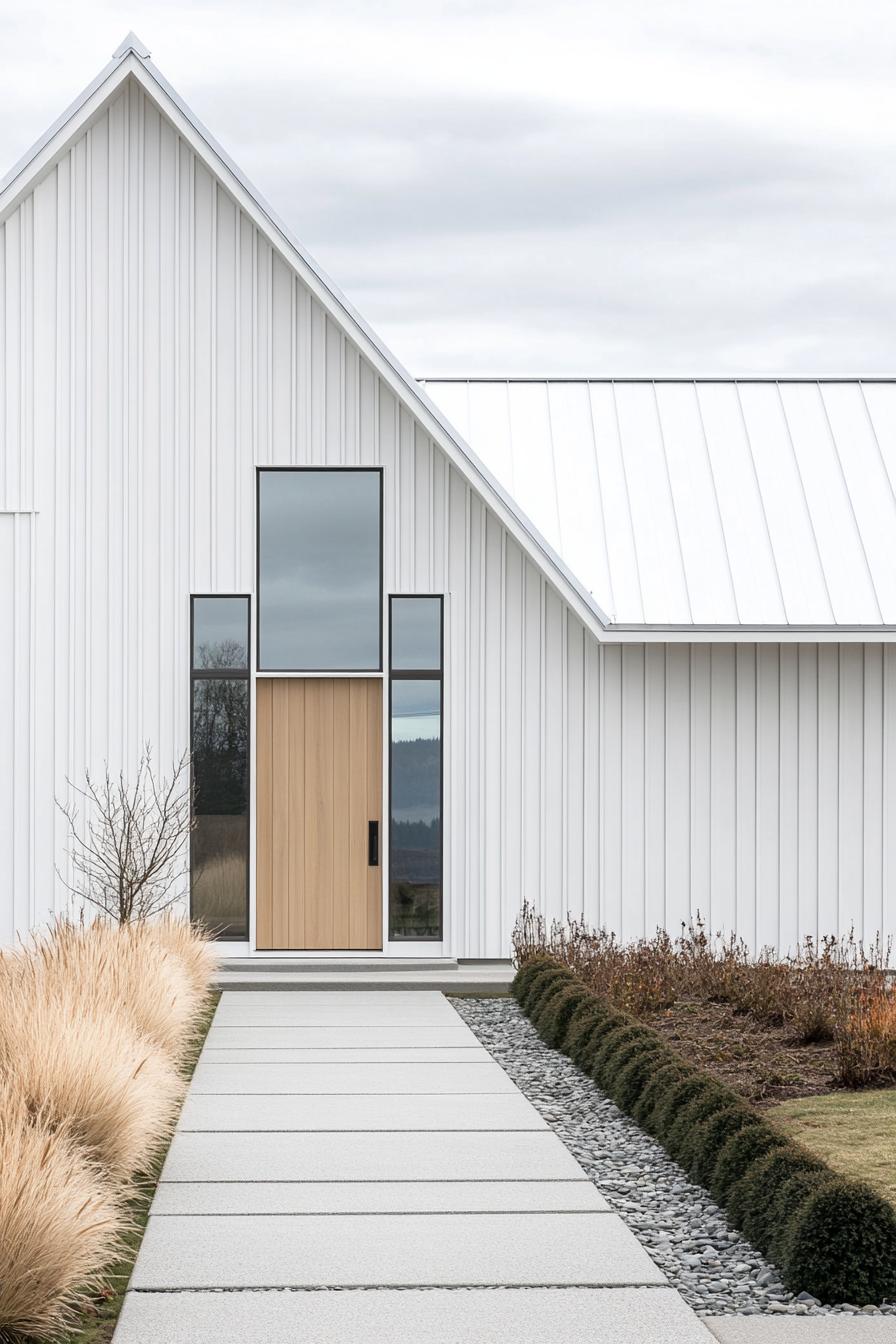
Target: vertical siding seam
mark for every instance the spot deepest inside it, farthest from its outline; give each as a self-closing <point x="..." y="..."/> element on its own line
<point x="212" y="484"/>
<point x="293" y="448"/>
<point x="564" y="757"/>
<point x="88" y="426"/>
<point x="542" y="733"/>
<point x="818" y="855"/>
<point x="141" y="408"/>
<point x="645" y="748"/>
<point x="236" y="569"/>
<point x="191" y="412"/>
<point x="484" y="728"/>
<point x="756" y="787"/>
<point x="468" y="551"/>
<point x="503" y="898"/>
<point x="601" y="766"/>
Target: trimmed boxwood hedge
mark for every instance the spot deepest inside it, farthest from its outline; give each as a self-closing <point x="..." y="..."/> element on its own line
<point x="829" y="1236"/>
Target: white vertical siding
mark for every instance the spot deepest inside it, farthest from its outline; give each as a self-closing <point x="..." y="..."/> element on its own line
<point x="154" y="350"/>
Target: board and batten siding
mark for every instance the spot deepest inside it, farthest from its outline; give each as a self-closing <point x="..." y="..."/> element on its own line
<point x="154" y="350"/>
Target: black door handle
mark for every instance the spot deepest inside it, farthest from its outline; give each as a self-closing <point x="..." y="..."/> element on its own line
<point x="373" y="844"/>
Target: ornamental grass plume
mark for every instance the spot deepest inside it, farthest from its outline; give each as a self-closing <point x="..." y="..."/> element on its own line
<point x="185" y="941"/>
<point x="134" y="975"/>
<point x="85" y="1069"/>
<point x="59" y="1224"/>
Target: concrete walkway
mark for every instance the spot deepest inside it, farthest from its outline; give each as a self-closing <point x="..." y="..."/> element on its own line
<point x="365" y="1141"/>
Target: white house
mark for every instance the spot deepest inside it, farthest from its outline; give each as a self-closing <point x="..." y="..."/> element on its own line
<point x="615" y="647"/>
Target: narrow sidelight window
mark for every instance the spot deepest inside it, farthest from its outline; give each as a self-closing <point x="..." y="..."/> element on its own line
<point x="319" y="570"/>
<point x="415" y="773"/>
<point x="219" y="849"/>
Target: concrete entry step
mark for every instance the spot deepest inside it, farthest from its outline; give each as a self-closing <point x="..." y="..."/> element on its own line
<point x="384" y="973"/>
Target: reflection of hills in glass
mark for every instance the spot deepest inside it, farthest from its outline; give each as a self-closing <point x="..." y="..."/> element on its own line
<point x="416" y="779"/>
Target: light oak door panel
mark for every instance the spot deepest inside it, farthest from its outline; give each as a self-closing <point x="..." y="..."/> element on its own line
<point x="318" y="786"/>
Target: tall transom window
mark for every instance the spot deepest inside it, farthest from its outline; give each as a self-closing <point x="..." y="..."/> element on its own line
<point x="319" y="570"/>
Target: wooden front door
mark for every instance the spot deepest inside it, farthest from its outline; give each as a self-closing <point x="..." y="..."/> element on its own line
<point x="319" y="771"/>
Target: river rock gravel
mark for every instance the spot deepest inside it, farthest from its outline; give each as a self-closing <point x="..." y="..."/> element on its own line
<point x="716" y="1271"/>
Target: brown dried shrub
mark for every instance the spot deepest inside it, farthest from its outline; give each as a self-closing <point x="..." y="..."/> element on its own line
<point x="820" y="993"/>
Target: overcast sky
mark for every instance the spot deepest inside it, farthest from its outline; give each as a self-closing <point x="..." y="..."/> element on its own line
<point x="603" y="187"/>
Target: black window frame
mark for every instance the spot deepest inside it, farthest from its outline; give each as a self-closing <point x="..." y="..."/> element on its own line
<point x="226" y="674"/>
<point x="316" y="671"/>
<point x="420" y="674"/>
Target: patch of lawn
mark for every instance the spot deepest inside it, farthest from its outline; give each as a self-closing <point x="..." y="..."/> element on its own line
<point x="854" y="1132"/>
<point x="99" y="1321"/>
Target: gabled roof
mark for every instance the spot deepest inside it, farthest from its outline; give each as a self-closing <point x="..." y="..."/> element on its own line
<point x="132" y="61"/>
<point x="703" y="503"/>
<point x="687" y="510"/>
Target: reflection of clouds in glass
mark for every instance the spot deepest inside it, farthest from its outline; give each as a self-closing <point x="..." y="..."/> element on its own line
<point x="416" y="633"/>
<point x="319" y="569"/>
<point x="220" y="630"/>
<point x="415" y="698"/>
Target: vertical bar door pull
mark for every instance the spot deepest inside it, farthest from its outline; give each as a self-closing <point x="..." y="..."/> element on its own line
<point x="373" y="844"/>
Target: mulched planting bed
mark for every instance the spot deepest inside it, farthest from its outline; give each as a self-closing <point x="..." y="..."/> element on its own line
<point x="713" y="1266"/>
<point x="761" y="1062"/>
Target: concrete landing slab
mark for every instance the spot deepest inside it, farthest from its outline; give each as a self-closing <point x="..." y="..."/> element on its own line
<point x="376" y="1250"/>
<point x="342" y="1009"/>
<point x="355" y="1078"/>
<point x="416" y="1054"/>
<point x="339" y="1038"/>
<point x="529" y="1316"/>
<point x="803" y="1329"/>
<point x="321" y="1197"/>
<point x="413" y="1156"/>
<point x="497" y="1111"/>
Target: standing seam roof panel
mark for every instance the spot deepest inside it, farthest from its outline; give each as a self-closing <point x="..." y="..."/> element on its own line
<point x="715" y="502"/>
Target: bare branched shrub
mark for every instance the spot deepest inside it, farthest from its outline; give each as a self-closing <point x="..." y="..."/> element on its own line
<point x="59" y="1223"/>
<point x="130" y="852"/>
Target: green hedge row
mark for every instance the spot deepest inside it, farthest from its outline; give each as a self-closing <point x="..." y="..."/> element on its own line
<point x="829" y="1236"/>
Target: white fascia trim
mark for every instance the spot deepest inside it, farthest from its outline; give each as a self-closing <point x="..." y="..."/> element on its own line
<point x="750" y="634"/>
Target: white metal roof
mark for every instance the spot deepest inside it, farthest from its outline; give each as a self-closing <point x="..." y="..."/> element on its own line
<point x="702" y="503"/>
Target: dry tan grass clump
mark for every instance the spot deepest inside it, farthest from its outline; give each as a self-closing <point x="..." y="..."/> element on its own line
<point x="84" y="1067"/>
<point x="94" y="1023"/>
<point x="134" y="973"/>
<point x="187" y="943"/>
<point x="59" y="1223"/>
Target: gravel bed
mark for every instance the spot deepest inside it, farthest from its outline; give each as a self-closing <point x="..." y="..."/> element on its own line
<point x="716" y="1271"/>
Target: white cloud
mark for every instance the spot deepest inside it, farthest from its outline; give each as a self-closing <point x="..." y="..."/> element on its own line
<point x="520" y="187"/>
